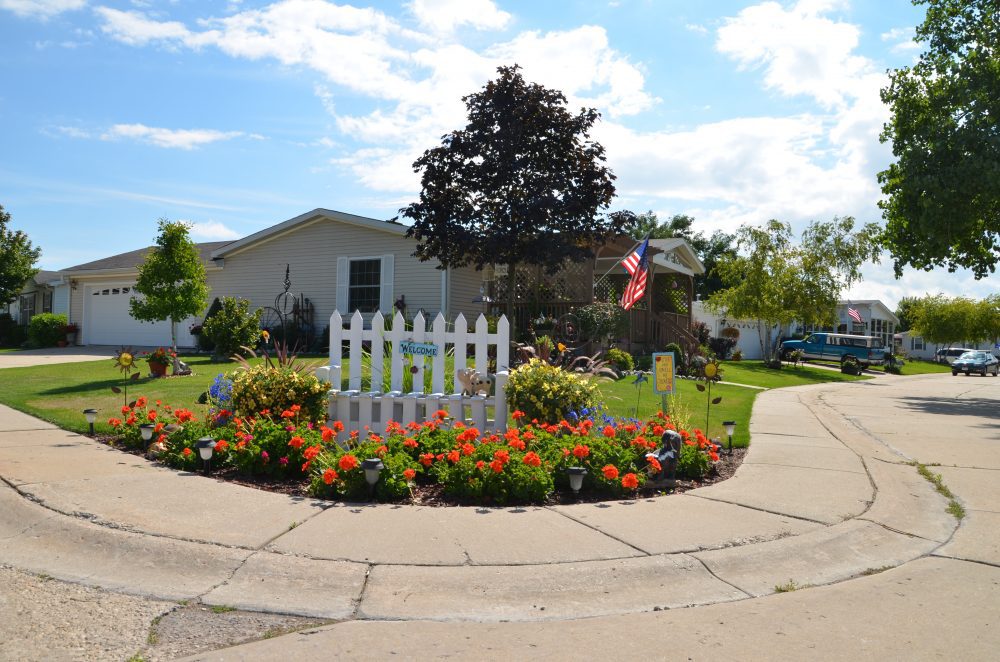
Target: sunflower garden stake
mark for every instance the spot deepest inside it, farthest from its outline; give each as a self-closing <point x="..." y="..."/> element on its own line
<point x="710" y="374"/>
<point x="125" y="361"/>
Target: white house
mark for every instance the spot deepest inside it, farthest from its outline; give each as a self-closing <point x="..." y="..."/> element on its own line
<point x="914" y="346"/>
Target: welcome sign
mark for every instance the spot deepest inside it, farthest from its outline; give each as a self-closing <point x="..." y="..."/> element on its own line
<point x="418" y="348"/>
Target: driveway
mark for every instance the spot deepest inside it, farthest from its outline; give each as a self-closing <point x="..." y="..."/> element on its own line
<point x="31" y="357"/>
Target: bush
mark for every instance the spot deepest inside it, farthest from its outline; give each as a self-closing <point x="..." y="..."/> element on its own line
<point x="232" y="327"/>
<point x="702" y="332"/>
<point x="205" y="343"/>
<point x="721" y="347"/>
<point x="47" y="329"/>
<point x="644" y="362"/>
<point x="850" y="366"/>
<point x="620" y="359"/>
<point x="275" y="390"/>
<point x="679" y="363"/>
<point x="11" y="334"/>
<point x="737" y="354"/>
<point x="548" y="393"/>
<point x="602" y="320"/>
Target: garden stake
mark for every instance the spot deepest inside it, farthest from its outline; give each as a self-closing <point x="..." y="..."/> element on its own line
<point x="640" y="378"/>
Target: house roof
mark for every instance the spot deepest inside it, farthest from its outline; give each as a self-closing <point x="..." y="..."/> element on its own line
<point x="854" y="303"/>
<point x="132" y="259"/>
<point x="313" y="216"/>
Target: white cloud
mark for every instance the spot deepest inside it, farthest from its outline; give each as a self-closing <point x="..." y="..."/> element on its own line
<point x="212" y="231"/>
<point x="694" y="27"/>
<point x="169" y="138"/>
<point x="904" y="38"/>
<point x="801" y="50"/>
<point x="41" y="9"/>
<point x="136" y="29"/>
<point x="73" y="132"/>
<point x="442" y="16"/>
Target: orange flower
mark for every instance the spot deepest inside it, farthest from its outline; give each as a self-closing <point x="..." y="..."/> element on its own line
<point x="528" y="436"/>
<point x="440" y="414"/>
<point x="532" y="460"/>
<point x="329" y="476"/>
<point x="654" y="464"/>
<point x="114" y="422"/>
<point x="221" y="445"/>
<point x="580" y="451"/>
<point x="517" y="415"/>
<point x="610" y="471"/>
<point x="187" y="452"/>
<point x="496" y="466"/>
<point x="468" y="449"/>
<point x="630" y="481"/>
<point x="348" y="462"/>
<point x="296" y="408"/>
<point x="296" y="442"/>
<point x="454" y="457"/>
<point x="409" y="474"/>
<point x="516" y="444"/>
<point x="338" y="427"/>
<point x="305" y="467"/>
<point x="311" y="452"/>
<point x="480" y="464"/>
<point x="382" y="450"/>
<point x="609" y="431"/>
<point x="327" y="433"/>
<point x="502" y="456"/>
<point x="427" y="459"/>
<point x="141" y="401"/>
<point x="410" y="442"/>
<point x="151" y="416"/>
<point x="126" y="409"/>
<point x="288" y="414"/>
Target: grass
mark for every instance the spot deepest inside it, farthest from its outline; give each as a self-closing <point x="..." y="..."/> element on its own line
<point x="916" y="367"/>
<point x="787" y="587"/>
<point x="222" y="609"/>
<point x="59" y="393"/>
<point x="954" y="508"/>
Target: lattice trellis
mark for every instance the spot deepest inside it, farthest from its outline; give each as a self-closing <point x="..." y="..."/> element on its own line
<point x="570" y="283"/>
<point x="671" y="293"/>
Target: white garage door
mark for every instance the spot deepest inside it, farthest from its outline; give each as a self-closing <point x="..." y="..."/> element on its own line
<point x="107" y="321"/>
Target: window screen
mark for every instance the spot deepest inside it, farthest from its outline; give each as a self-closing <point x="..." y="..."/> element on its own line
<point x="365" y="285"/>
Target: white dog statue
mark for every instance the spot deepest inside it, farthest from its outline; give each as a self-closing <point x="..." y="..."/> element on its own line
<point x="474" y="383"/>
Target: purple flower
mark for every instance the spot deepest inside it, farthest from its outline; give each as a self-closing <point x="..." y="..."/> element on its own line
<point x="283" y="461"/>
<point x="264" y="455"/>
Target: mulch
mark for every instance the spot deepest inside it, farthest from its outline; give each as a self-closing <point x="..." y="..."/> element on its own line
<point x="434" y="496"/>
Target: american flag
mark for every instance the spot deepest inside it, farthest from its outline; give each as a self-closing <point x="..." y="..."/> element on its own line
<point x="854" y="315"/>
<point x="635" y="264"/>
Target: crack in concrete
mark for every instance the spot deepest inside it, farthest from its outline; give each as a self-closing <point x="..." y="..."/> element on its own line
<point x="356" y="614"/>
<point x="291" y="528"/>
<point x="761" y="510"/>
<point x="724" y="581"/>
<point x="603" y="533"/>
<point x="800" y="466"/>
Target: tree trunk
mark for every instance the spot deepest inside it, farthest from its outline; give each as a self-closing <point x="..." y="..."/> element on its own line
<point x="173" y="344"/>
<point x="511" y="294"/>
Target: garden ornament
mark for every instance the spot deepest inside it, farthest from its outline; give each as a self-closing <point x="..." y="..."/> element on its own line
<point x="667" y="456"/>
<point x="474" y="383"/>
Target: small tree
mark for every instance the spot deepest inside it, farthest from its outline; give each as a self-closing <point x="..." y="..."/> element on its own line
<point x="776" y="282"/>
<point x="232" y="328"/>
<point x="522" y="183"/>
<point x="17" y="259"/>
<point x="946" y="321"/>
<point x="171" y="281"/>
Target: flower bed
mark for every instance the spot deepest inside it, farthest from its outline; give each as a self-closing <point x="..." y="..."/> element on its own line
<point x="527" y="464"/>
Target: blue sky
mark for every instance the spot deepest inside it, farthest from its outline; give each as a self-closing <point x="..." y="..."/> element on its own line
<point x="238" y="115"/>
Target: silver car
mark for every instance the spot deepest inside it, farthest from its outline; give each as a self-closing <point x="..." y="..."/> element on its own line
<point x="976" y="361"/>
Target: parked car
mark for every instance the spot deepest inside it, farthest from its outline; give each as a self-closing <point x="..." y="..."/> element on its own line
<point x="976" y="361"/>
<point x="868" y="350"/>
<point x="951" y="354"/>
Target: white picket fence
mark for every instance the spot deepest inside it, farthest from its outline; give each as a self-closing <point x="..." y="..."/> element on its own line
<point x="358" y="408"/>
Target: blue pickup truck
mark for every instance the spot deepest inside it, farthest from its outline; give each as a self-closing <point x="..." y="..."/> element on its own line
<point x="868" y="350"/>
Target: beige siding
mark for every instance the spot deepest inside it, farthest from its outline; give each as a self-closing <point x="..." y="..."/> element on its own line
<point x="464" y="289"/>
<point x="257" y="273"/>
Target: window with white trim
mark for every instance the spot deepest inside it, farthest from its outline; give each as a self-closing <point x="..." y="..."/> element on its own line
<point x="365" y="285"/>
<point x="26" y="308"/>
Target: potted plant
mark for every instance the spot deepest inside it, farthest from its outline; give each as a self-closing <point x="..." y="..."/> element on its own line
<point x="71" y="330"/>
<point x="158" y="362"/>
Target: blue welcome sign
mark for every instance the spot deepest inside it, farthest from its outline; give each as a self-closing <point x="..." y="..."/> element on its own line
<point x="418" y="348"/>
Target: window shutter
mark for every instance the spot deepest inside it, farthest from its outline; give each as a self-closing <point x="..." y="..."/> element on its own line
<point x="385" y="297"/>
<point x="343" y="280"/>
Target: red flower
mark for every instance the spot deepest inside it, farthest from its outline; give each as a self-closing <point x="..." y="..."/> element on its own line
<point x="610" y="471"/>
<point x="409" y="474"/>
<point x="468" y="449"/>
<point x="532" y="460"/>
<point x="187" y="452"/>
<point x="440" y="414"/>
<point x="630" y="428"/>
<point x="609" y="431"/>
<point x="630" y="481"/>
<point x="151" y="416"/>
<point x="305" y="467"/>
<point x="516" y="444"/>
<point x="517" y="415"/>
<point x="580" y="451"/>
<point x="114" y="421"/>
<point x="528" y="436"/>
<point x="141" y="401"/>
<point x="502" y="456"/>
<point x="288" y="414"/>
<point x="382" y="450"/>
<point x="454" y="457"/>
<point x="348" y="462"/>
<point x="410" y="442"/>
<point x="338" y="427"/>
<point x="327" y="433"/>
<point x="427" y="459"/>
<point x="296" y="442"/>
<point x="496" y="466"/>
<point x="480" y="464"/>
<point x="329" y="476"/>
<point x="712" y="455"/>
<point x="311" y="452"/>
<point x="296" y="408"/>
<point x="130" y="420"/>
<point x="654" y="464"/>
<point x="126" y="409"/>
<point x="221" y="445"/>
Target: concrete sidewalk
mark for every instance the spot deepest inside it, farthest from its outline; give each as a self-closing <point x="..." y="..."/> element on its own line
<point x="51" y="355"/>
<point x="825" y="495"/>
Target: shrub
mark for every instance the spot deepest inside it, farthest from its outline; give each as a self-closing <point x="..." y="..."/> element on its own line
<point x="620" y="359"/>
<point x="204" y="342"/>
<point x="850" y="366"/>
<point x="722" y="347"/>
<point x="232" y="327"/>
<point x="275" y="389"/>
<point x="679" y="362"/>
<point x="644" y="362"/>
<point x="11" y="334"/>
<point x="602" y="320"/>
<point x="548" y="393"/>
<point x="702" y="332"/>
<point x="46" y="329"/>
<point x="737" y="354"/>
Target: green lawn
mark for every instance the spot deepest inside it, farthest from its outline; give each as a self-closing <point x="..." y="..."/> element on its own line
<point x="911" y="367"/>
<point x="59" y="393"/>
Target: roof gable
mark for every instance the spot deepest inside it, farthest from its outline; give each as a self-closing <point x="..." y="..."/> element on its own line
<point x="132" y="259"/>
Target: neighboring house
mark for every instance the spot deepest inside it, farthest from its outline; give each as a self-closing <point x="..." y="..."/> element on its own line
<point x="877" y="320"/>
<point x="344" y="262"/>
<point x="914" y="346"/>
<point x="47" y="292"/>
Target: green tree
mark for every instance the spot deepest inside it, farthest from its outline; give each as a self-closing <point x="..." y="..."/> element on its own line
<point x="775" y="282"/>
<point x="946" y="321"/>
<point x="17" y="259"/>
<point x="521" y="183"/>
<point x="988" y="318"/>
<point x="905" y="311"/>
<point x="710" y="250"/>
<point x="171" y="281"/>
<point x="942" y="195"/>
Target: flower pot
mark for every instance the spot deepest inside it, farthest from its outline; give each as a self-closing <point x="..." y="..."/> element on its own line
<point x="158" y="369"/>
